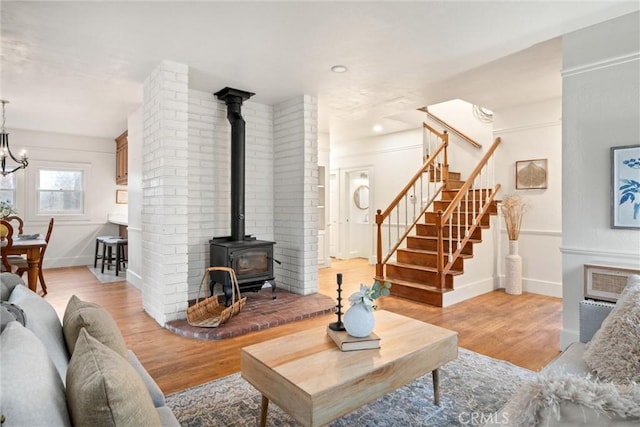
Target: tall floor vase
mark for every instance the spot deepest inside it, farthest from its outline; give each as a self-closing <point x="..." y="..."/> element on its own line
<point x="513" y="270"/>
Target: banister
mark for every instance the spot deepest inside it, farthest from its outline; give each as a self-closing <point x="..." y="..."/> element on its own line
<point x="430" y="165"/>
<point x="415" y="177"/>
<point x="446" y="269"/>
<point x="437" y="167"/>
<point x="433" y="130"/>
<point x="451" y="128"/>
<point x="445" y="217"/>
<point x="465" y="188"/>
<point x="408" y="229"/>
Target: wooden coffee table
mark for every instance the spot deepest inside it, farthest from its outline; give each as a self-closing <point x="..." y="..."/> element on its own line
<point x="307" y="376"/>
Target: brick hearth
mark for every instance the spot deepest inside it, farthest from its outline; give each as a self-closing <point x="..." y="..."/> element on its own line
<point x="261" y="312"/>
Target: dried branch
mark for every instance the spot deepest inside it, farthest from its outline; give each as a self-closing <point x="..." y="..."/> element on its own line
<point x="513" y="208"/>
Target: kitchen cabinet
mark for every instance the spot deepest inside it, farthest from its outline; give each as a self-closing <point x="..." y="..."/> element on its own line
<point x="122" y="159"/>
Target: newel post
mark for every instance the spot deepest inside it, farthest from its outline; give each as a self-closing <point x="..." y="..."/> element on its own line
<point x="379" y="266"/>
<point x="440" y="247"/>
<point x="445" y="166"/>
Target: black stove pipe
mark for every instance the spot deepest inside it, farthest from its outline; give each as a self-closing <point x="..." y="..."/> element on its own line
<point x="234" y="98"/>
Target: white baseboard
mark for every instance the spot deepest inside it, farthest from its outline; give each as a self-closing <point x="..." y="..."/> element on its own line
<point x="67" y="262"/>
<point x="540" y="287"/>
<point x="134" y="278"/>
<point x="468" y="291"/>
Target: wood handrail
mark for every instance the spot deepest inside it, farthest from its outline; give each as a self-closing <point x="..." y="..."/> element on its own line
<point x="417" y="176"/>
<point x="465" y="188"/>
<point x="444" y="217"/>
<point x="433" y="130"/>
<point x="382" y="216"/>
<point x="437" y="119"/>
<point x="445" y="269"/>
<point x="408" y="230"/>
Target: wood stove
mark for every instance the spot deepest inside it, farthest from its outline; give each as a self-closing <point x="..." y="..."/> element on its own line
<point x="251" y="259"/>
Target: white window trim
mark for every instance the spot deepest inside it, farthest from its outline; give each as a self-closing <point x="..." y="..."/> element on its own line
<point x="15" y="190"/>
<point x="32" y="183"/>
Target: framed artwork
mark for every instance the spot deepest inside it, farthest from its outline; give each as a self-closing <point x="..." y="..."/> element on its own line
<point x="531" y="174"/>
<point x="625" y="186"/>
<point x="122" y="197"/>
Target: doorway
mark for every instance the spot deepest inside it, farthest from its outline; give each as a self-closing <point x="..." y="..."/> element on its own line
<point x="357" y="202"/>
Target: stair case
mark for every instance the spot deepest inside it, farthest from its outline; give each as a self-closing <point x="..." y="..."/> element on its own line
<point x="432" y="226"/>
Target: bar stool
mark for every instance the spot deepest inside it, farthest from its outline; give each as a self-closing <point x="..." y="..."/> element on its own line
<point x="100" y="240"/>
<point x="107" y="253"/>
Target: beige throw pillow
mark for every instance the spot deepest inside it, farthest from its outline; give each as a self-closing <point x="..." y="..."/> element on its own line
<point x="614" y="351"/>
<point x="98" y="322"/>
<point x="103" y="389"/>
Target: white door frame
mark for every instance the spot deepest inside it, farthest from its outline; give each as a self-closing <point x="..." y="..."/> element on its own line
<point x="346" y="229"/>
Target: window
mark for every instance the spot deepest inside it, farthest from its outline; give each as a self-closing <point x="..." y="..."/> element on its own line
<point x="60" y="191"/>
<point x="8" y="188"/>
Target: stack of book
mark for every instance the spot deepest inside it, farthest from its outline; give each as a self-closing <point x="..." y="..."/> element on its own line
<point x="346" y="342"/>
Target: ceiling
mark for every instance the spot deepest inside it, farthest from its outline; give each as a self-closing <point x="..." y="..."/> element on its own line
<point x="79" y="67"/>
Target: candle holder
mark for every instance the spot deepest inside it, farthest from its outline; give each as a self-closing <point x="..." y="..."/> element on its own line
<point x="338" y="326"/>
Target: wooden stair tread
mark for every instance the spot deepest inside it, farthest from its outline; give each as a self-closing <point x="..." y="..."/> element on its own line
<point x="415" y="271"/>
<point x="428" y="252"/>
<point x="483" y="226"/>
<point x="419" y="286"/>
<point x="444" y="238"/>
<point x="423" y="268"/>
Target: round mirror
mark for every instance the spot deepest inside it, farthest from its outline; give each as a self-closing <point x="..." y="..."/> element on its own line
<point x="361" y="197"/>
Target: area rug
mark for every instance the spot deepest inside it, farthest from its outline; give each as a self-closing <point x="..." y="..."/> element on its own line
<point x="109" y="276"/>
<point x="472" y="387"/>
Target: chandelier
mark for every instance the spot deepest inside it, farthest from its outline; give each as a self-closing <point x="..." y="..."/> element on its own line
<point x="5" y="151"/>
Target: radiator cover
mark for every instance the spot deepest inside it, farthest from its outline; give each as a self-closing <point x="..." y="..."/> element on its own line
<point x="592" y="314"/>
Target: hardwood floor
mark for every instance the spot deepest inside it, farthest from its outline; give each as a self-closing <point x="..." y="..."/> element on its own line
<point x="522" y="329"/>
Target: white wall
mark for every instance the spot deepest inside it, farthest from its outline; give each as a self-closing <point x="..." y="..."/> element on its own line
<point x="134" y="207"/>
<point x="463" y="157"/>
<point x="533" y="132"/>
<point x="391" y="159"/>
<point x="600" y="110"/>
<point x="209" y="205"/>
<point x="72" y="241"/>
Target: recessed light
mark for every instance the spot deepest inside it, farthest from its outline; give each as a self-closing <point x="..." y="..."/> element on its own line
<point x="377" y="128"/>
<point x="339" y="69"/>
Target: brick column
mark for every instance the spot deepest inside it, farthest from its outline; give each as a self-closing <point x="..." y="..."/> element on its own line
<point x="165" y="192"/>
<point x="296" y="193"/>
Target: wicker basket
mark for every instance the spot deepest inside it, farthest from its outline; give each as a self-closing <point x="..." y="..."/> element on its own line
<point x="209" y="313"/>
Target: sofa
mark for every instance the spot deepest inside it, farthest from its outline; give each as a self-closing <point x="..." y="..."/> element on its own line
<point x="593" y="382"/>
<point x="75" y="372"/>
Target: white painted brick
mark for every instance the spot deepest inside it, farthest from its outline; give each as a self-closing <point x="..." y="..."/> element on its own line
<point x="193" y="184"/>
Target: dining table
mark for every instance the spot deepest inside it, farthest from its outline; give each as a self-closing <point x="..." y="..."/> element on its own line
<point x="31" y="247"/>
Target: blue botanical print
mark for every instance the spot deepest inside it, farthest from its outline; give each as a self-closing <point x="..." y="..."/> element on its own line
<point x="631" y="187"/>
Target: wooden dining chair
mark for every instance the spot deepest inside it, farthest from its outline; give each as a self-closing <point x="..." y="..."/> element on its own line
<point x="17" y="262"/>
<point x="18" y="228"/>
<point x="6" y="242"/>
<point x="16" y="222"/>
<point x="23" y="269"/>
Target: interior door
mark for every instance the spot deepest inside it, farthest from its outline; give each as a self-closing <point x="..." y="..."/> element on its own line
<point x="358" y="201"/>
